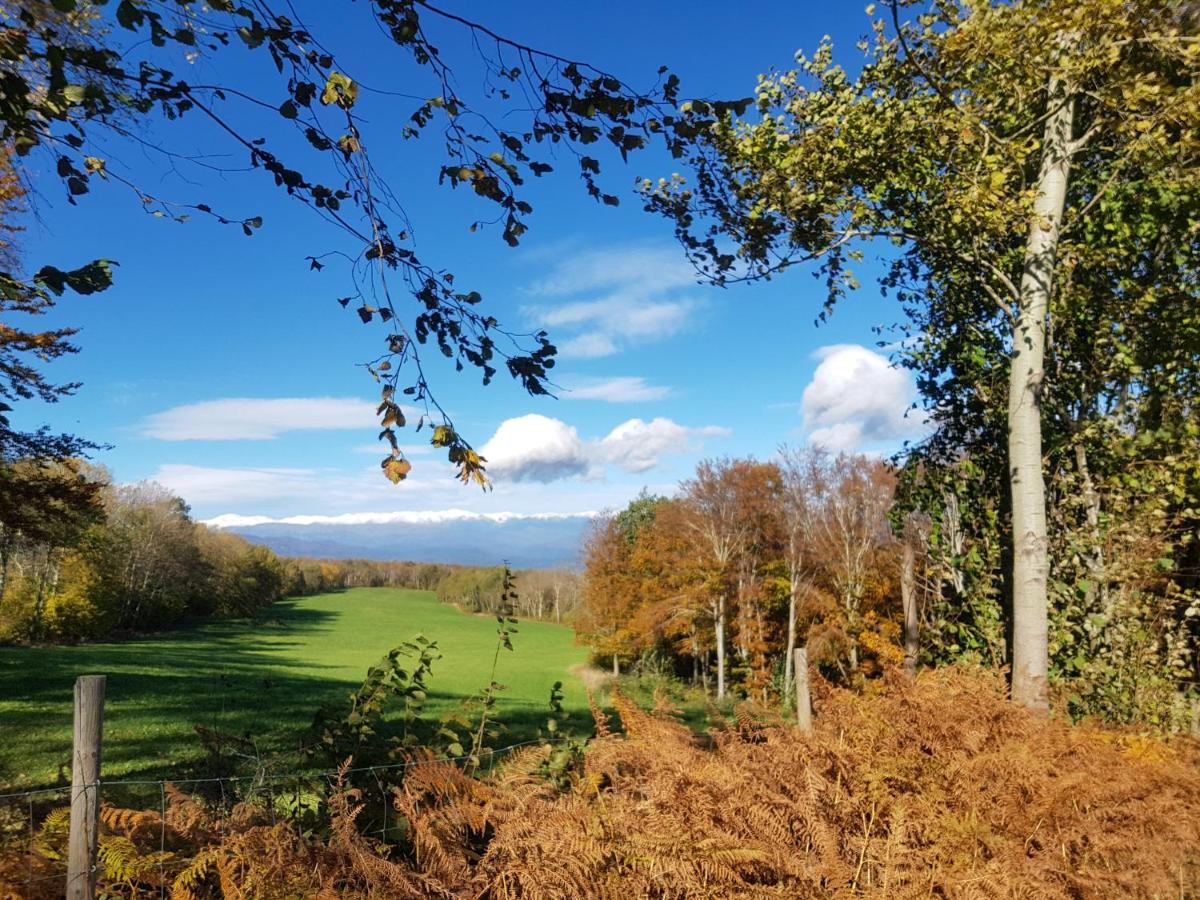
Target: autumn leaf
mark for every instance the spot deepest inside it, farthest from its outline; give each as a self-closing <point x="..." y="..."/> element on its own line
<point x="396" y="470"/>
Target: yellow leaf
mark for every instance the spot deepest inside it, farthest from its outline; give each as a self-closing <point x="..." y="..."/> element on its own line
<point x="396" y="470"/>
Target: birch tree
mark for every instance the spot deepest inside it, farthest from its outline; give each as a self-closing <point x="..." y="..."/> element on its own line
<point x="983" y="142"/>
<point x="721" y="531"/>
<point x="804" y="481"/>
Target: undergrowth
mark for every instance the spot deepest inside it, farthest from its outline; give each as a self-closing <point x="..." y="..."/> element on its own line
<point x="933" y="787"/>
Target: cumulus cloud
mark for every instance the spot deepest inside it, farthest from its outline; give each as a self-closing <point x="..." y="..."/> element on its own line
<point x="244" y="418"/>
<point x="609" y="299"/>
<point x="539" y="448"/>
<point x="535" y="448"/>
<point x="620" y="389"/>
<point x="858" y="399"/>
<point x="636" y="445"/>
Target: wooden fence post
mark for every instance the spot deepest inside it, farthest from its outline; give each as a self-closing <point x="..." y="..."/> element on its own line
<point x="803" y="696"/>
<point x="85" y="787"/>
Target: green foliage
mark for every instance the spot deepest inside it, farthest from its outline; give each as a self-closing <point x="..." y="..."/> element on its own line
<point x="339" y="734"/>
<point x="930" y="156"/>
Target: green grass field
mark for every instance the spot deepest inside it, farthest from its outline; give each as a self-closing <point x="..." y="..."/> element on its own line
<point x="265" y="679"/>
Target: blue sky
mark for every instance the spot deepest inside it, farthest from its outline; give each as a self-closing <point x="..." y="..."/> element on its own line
<point x="222" y="367"/>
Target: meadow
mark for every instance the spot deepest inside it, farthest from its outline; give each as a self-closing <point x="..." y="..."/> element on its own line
<point x="264" y="680"/>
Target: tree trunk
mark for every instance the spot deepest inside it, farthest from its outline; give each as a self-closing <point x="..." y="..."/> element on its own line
<point x="851" y="628"/>
<point x="5" y="555"/>
<point x="908" y="596"/>
<point x="616" y="665"/>
<point x="39" y="606"/>
<point x="1095" y="556"/>
<point x="719" y="622"/>
<point x="794" y="589"/>
<point x="1030" y="684"/>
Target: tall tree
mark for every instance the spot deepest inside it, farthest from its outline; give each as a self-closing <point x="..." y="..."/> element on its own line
<point x="851" y="526"/>
<point x="805" y="480"/>
<point x="717" y="520"/>
<point x="985" y="141"/>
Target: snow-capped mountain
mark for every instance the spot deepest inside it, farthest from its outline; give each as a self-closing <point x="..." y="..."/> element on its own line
<point x="447" y="536"/>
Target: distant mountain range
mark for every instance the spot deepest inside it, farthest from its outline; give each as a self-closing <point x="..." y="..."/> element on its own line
<point x="452" y="536"/>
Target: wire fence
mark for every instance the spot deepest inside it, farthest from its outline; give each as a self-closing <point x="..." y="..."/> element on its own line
<point x="33" y="859"/>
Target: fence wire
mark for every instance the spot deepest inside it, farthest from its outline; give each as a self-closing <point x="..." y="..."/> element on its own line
<point x="24" y="814"/>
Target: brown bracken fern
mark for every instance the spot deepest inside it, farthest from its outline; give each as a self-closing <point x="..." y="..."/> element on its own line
<point x="932" y="787"/>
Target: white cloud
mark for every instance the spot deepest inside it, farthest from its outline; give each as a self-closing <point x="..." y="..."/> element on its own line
<point x="380" y="449"/>
<point x="636" y="445"/>
<point x="858" y="399"/>
<point x="239" y="418"/>
<point x="654" y="269"/>
<point x="204" y="484"/>
<point x="534" y="448"/>
<point x="269" y="488"/>
<point x="620" y="389"/>
<point x="539" y="448"/>
<point x="615" y="297"/>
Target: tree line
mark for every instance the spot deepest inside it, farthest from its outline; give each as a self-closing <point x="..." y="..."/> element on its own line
<point x="839" y="554"/>
<point x="82" y="557"/>
<point x="550" y="594"/>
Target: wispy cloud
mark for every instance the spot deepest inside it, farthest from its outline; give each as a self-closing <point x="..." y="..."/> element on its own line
<point x="615" y="297"/>
<point x="857" y="399"/>
<point x="619" y="389"/>
<point x="244" y="418"/>
<point x="379" y="448"/>
<point x="542" y="449"/>
<point x="321" y="488"/>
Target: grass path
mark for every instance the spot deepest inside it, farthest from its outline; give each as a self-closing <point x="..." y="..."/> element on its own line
<point x="263" y="679"/>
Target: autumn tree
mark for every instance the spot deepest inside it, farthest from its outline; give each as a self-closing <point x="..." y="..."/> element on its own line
<point x="610" y="593"/>
<point x="673" y="612"/>
<point x="997" y="146"/>
<point x="721" y="529"/>
<point x="851" y="526"/>
<point x="758" y="487"/>
<point x="804" y="480"/>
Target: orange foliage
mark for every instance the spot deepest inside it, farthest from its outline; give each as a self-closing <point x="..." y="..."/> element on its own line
<point x="935" y="787"/>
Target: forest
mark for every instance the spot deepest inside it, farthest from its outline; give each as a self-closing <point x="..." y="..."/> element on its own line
<point x="870" y="567"/>
<point x="92" y="559"/>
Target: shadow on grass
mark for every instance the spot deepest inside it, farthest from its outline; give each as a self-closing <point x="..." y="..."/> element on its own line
<point x="158" y="689"/>
<point x="232" y="677"/>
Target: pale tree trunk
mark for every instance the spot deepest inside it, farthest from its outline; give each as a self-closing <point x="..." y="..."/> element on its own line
<point x="719" y="624"/>
<point x="794" y="589"/>
<point x="1095" y="556"/>
<point x="1030" y="684"/>
<point x="908" y="596"/>
<point x="616" y="664"/>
